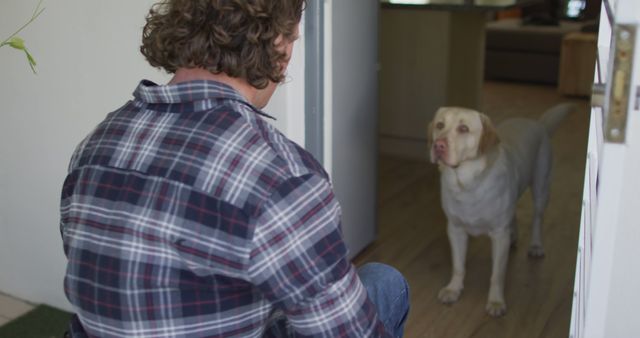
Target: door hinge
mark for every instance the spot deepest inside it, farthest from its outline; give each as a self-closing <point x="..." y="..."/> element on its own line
<point x="620" y="86"/>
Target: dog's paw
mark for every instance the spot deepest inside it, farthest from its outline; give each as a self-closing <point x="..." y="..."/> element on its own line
<point x="536" y="251"/>
<point x="496" y="309"/>
<point x="449" y="296"/>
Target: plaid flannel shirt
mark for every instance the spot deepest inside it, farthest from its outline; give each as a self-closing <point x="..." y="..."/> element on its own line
<point x="185" y="214"/>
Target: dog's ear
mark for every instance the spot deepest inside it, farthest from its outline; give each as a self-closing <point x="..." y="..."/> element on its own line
<point x="432" y="154"/>
<point x="489" y="137"/>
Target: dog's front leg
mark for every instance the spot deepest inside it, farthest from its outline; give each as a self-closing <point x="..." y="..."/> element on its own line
<point x="458" y="239"/>
<point x="500" y="241"/>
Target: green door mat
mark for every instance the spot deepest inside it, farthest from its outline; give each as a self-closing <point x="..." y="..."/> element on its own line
<point x="41" y="322"/>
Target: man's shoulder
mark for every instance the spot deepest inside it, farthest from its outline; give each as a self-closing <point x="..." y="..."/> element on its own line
<point x="296" y="160"/>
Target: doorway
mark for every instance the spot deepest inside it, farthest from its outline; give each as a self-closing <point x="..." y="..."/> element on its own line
<point x="412" y="230"/>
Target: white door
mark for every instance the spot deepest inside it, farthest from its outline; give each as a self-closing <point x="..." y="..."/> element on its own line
<point x="607" y="283"/>
<point x="351" y="113"/>
<point x="329" y="105"/>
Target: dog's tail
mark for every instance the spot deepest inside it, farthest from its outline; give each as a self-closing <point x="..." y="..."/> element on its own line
<point x="552" y="118"/>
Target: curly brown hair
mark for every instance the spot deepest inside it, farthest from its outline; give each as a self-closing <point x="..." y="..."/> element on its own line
<point x="235" y="37"/>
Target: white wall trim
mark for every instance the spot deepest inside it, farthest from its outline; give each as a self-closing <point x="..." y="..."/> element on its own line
<point x="328" y="88"/>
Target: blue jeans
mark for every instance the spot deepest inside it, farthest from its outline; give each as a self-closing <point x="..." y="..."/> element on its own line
<point x="389" y="291"/>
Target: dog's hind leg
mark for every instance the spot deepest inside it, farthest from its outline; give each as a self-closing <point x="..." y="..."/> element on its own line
<point x="540" y="185"/>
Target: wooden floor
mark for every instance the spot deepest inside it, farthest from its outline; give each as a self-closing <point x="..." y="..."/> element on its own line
<point x="412" y="236"/>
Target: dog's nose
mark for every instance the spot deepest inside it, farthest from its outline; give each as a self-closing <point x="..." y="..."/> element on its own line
<point x="440" y="145"/>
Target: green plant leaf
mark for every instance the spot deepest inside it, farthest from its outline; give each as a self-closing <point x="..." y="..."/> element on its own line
<point x="16" y="42"/>
<point x="32" y="61"/>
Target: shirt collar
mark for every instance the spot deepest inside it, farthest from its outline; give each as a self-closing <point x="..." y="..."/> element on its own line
<point x="189" y="93"/>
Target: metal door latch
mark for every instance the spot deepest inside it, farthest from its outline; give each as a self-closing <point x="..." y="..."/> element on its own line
<point x="620" y="87"/>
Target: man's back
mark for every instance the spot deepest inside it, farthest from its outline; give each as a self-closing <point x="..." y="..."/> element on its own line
<point x="159" y="215"/>
<point x="185" y="214"/>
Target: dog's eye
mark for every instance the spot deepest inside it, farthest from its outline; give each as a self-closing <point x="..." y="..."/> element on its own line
<point x="463" y="129"/>
<point x="439" y="125"/>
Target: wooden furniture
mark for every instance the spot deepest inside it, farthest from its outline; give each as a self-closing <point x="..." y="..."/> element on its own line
<point x="577" y="64"/>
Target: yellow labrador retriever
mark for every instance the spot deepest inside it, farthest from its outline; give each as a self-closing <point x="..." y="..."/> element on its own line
<point x="483" y="172"/>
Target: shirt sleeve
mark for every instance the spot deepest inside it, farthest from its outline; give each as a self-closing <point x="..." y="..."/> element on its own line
<point x="299" y="261"/>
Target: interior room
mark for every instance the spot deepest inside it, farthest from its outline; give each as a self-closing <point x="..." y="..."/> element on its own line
<point x="532" y="61"/>
<point x="375" y="71"/>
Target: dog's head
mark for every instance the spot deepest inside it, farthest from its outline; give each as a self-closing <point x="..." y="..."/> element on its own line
<point x="459" y="134"/>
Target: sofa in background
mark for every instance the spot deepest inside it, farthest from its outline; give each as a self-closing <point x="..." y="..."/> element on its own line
<point x="528" y="47"/>
<point x="527" y="52"/>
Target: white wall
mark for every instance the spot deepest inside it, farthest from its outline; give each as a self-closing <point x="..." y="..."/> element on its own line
<point x="88" y="65"/>
<point x="287" y="104"/>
